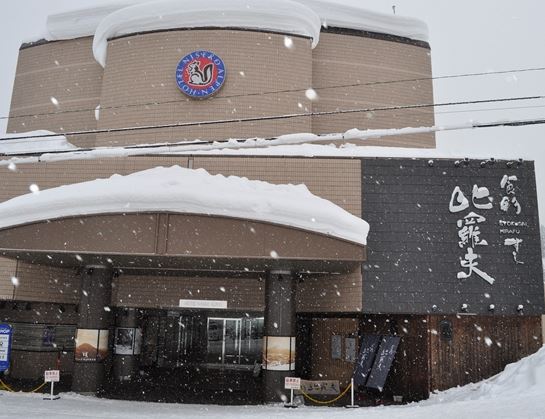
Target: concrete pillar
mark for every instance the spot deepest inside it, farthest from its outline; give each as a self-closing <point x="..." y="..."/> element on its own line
<point x="127" y="343"/>
<point x="279" y="334"/>
<point x="92" y="332"/>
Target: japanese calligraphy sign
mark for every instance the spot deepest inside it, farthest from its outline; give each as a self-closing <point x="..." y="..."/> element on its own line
<point x="469" y="225"/>
<point x="451" y="236"/>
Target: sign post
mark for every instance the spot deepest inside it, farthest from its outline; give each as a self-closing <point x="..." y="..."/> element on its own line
<point x="52" y="376"/>
<point x="292" y="383"/>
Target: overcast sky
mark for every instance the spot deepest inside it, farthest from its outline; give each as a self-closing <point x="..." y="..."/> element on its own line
<point x="466" y="36"/>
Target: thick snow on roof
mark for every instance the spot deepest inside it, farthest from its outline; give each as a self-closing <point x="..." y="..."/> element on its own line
<point x="279" y="15"/>
<point x="181" y="190"/>
<point x="298" y="17"/>
<point x="18" y="145"/>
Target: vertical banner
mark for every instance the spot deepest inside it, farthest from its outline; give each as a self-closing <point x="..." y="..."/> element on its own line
<point x="368" y="351"/>
<point x="383" y="362"/>
<point x="91" y="345"/>
<point x="279" y="353"/>
<point x="5" y="346"/>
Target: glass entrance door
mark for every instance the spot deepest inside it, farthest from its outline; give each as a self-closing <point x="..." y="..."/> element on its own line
<point x="224" y="340"/>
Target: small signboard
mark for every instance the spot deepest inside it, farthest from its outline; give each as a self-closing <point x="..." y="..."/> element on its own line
<point x="321" y="387"/>
<point x="203" y="304"/>
<point x="292" y="383"/>
<point x="5" y="346"/>
<point x="52" y="376"/>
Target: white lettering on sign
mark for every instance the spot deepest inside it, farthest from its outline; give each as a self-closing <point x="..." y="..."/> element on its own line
<point x="203" y="303"/>
<point x="292" y="383"/>
<point x="509" y="199"/>
<point x="469" y="232"/>
<point x="52" y="376"/>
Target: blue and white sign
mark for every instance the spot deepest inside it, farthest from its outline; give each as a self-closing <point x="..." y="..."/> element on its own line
<point x="5" y="346"/>
<point x="200" y="74"/>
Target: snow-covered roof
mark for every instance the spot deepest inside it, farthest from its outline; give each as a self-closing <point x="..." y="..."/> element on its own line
<point x="18" y="145"/>
<point x="298" y="17"/>
<point x="188" y="191"/>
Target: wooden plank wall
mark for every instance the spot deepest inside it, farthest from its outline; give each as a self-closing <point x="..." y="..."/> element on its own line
<point x="323" y="366"/>
<point x="480" y="347"/>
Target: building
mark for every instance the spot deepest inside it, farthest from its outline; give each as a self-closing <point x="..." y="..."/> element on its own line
<point x="452" y="264"/>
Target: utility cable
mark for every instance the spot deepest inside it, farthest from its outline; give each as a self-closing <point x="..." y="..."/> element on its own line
<point x="372" y="83"/>
<point x="269" y="118"/>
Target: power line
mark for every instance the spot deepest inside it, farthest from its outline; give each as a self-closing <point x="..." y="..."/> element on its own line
<point x="272" y="117"/>
<point x="339" y="86"/>
<point x="207" y="145"/>
<point x="511" y="108"/>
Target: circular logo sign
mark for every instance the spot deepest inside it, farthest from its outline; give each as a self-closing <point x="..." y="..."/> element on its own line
<point x="200" y="74"/>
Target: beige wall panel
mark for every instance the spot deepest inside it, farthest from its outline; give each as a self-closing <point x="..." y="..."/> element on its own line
<point x="53" y="174"/>
<point x="140" y="71"/>
<point x="166" y="292"/>
<point x="341" y="60"/>
<point x="337" y="180"/>
<point x="8" y="268"/>
<point x="330" y="294"/>
<point x="323" y="366"/>
<point x="47" y="284"/>
<point x="67" y="71"/>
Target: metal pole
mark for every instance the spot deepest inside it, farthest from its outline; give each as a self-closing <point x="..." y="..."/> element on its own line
<point x="291" y="398"/>
<point x="52" y="384"/>
<point x="351" y="405"/>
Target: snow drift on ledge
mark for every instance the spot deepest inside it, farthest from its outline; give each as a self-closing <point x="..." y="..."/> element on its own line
<point x="189" y="191"/>
<point x="18" y="145"/>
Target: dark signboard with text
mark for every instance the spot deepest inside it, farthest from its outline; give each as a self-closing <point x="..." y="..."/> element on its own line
<point x="451" y="236"/>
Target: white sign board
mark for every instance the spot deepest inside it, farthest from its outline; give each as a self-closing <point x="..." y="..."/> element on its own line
<point x="52" y="376"/>
<point x="203" y="303"/>
<point x="292" y="383"/>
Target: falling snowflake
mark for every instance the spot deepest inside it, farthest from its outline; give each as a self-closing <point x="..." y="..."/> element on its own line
<point x="311" y="94"/>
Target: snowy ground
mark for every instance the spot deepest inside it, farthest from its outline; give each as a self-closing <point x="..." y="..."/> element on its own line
<point x="516" y="393"/>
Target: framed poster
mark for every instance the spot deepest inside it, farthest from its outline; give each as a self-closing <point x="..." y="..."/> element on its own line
<point x="279" y="353"/>
<point x="350" y="349"/>
<point x="336" y="347"/>
<point x="128" y="341"/>
<point x="48" y="336"/>
<point x="91" y="345"/>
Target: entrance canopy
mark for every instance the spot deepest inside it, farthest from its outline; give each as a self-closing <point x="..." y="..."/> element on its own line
<point x="177" y="218"/>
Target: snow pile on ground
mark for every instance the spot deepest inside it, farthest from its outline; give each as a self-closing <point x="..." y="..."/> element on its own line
<point x="526" y="376"/>
<point x="181" y="190"/>
<point x="17" y="145"/>
<point x="516" y="393"/>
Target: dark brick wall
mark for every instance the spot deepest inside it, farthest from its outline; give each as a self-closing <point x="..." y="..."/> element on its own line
<point x="413" y="246"/>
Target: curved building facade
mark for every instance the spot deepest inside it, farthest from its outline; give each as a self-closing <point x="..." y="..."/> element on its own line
<point x="219" y="302"/>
